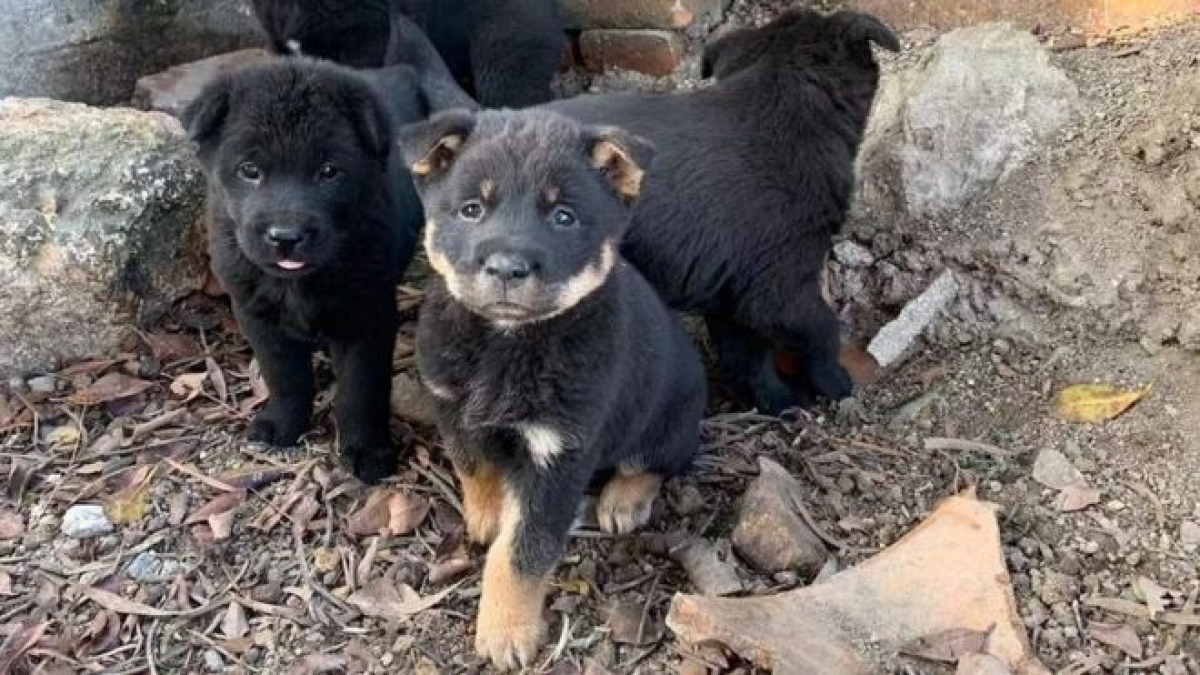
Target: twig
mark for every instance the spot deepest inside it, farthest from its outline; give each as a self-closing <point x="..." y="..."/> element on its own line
<point x="312" y="581"/>
<point x="155" y="424"/>
<point x="641" y="632"/>
<point x="964" y="445"/>
<point x="150" y="648"/>
<point x="207" y="480"/>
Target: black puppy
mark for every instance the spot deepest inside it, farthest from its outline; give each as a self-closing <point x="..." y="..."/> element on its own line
<point x="310" y="226"/>
<point x="752" y="178"/>
<point x="551" y="359"/>
<point x="505" y="52"/>
<point x="350" y="32"/>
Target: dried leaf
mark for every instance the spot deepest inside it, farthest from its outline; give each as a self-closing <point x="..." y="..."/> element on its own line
<point x="326" y="559"/>
<point x="60" y="437"/>
<point x="11" y="524"/>
<point x="115" y="603"/>
<point x="110" y="387"/>
<point x="1155" y="596"/>
<point x="574" y="587"/>
<point x="363" y="572"/>
<point x="1117" y="635"/>
<point x="628" y="625"/>
<point x="1076" y="498"/>
<point x="6" y="588"/>
<point x="981" y="664"/>
<point x="448" y="569"/>
<point x="1095" y="402"/>
<point x="222" y="503"/>
<point x="189" y="385"/>
<point x="221" y="525"/>
<point x="381" y="598"/>
<point x="18" y="643"/>
<point x="388" y="512"/>
<point x="218" y="379"/>
<point x="129" y="505"/>
<point x="317" y="664"/>
<point x="172" y="346"/>
<point x="303" y="513"/>
<point x="234" y="624"/>
<point x="254" y="477"/>
<point x="948" y="646"/>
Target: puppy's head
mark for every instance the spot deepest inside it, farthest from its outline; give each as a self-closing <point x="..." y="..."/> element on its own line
<point x="291" y="149"/>
<point x="524" y="210"/>
<point x="800" y="38"/>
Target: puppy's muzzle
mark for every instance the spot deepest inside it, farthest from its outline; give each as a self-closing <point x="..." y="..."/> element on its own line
<point x="509" y="268"/>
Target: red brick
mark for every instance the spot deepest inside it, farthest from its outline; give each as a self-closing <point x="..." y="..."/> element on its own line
<point x="654" y="52"/>
<point x="638" y="13"/>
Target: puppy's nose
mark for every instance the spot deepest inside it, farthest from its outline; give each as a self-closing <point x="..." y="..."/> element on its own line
<point x="285" y="238"/>
<point x="507" y="267"/>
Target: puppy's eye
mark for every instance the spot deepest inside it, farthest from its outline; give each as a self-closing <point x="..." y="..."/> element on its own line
<point x="249" y="172"/>
<point x="328" y="171"/>
<point x="472" y="211"/>
<point x="563" y="217"/>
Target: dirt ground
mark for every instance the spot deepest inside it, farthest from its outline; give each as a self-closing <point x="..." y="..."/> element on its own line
<point x="248" y="560"/>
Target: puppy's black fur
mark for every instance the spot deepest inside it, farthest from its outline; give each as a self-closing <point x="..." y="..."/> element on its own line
<point x="505" y="52"/>
<point x="753" y="176"/>
<point x="350" y="32"/>
<point x="551" y="359"/>
<point x="310" y="226"/>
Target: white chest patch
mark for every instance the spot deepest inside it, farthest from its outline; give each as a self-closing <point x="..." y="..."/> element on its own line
<point x="543" y="442"/>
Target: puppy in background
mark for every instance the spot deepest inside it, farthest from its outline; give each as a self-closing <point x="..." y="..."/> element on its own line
<point x="504" y="52"/>
<point x="311" y="224"/>
<point x="752" y="179"/>
<point x="551" y="359"/>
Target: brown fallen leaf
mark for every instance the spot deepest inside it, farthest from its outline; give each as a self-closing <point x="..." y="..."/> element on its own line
<point x="628" y="625"/>
<point x="110" y="387"/>
<point x="318" y="664"/>
<point x="1155" y="596"/>
<point x="981" y="664"/>
<point x="168" y="347"/>
<point x="129" y="505"/>
<point x="406" y="512"/>
<point x="218" y="379"/>
<point x="450" y="568"/>
<point x="11" y="524"/>
<point x="254" y="477"/>
<point x="221" y="524"/>
<point x="388" y="512"/>
<point x="115" y="603"/>
<point x="18" y="643"/>
<point x="1095" y="402"/>
<point x="1076" y="498"/>
<point x="948" y="646"/>
<point x="222" y="503"/>
<point x="1119" y="635"/>
<point x="188" y="386"/>
<point x="381" y="598"/>
<point x="234" y="624"/>
<point x="6" y="589"/>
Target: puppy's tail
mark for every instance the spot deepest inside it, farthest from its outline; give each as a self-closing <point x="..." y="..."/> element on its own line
<point x="411" y="47"/>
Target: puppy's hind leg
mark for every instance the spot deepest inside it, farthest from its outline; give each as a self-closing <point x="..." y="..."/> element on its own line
<point x="286" y="366"/>
<point x="809" y="327"/>
<point x="363" y="366"/>
<point x="745" y="360"/>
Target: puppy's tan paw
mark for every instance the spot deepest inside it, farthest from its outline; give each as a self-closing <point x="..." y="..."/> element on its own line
<point x="626" y="502"/>
<point x="509" y="642"/>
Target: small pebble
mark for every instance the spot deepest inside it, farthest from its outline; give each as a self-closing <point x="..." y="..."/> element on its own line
<point x="149" y="567"/>
<point x="46" y="384"/>
<point x="1189" y="534"/>
<point x="83" y="521"/>
<point x="213" y="661"/>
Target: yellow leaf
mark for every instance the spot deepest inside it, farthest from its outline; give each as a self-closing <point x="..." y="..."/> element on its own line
<point x="1095" y="402"/>
<point x="574" y="586"/>
<point x="129" y="505"/>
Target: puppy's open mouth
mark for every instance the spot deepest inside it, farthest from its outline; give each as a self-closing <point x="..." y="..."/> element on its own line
<point x="291" y="265"/>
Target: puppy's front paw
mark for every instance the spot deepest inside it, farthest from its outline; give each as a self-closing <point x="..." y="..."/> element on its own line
<point x="831" y="381"/>
<point x="370" y="463"/>
<point x="276" y="428"/>
<point x="509" y="638"/>
<point x="626" y="502"/>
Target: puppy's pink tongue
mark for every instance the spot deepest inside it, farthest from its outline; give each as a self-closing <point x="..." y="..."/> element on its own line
<point x="290" y="265"/>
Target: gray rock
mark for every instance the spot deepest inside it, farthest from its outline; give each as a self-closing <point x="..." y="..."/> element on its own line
<point x="93" y="52"/>
<point x="770" y="534"/>
<point x="708" y="572"/>
<point x="84" y="521"/>
<point x="979" y="105"/>
<point x="897" y="337"/>
<point x="1052" y="469"/>
<point x="1189" y="329"/>
<point x="46" y="384"/>
<point x="853" y="254"/>
<point x="100" y="214"/>
<point x="1189" y="535"/>
<point x="173" y="89"/>
<point x="149" y="567"/>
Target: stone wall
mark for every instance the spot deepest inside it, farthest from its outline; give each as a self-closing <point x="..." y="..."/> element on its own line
<point x="93" y="51"/>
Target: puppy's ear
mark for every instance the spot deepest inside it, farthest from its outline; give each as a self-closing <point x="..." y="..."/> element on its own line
<point x="206" y="114"/>
<point x="371" y="123"/>
<point x="864" y="28"/>
<point x="622" y="158"/>
<point x="430" y="147"/>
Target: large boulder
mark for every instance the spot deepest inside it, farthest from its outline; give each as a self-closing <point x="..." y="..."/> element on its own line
<point x="100" y="214"/>
<point x="978" y="106"/>
<point x="92" y="51"/>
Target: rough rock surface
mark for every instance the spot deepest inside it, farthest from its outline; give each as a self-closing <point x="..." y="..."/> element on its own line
<point x="770" y="534"/>
<point x="93" y="52"/>
<point x="982" y="101"/>
<point x="99" y="215"/>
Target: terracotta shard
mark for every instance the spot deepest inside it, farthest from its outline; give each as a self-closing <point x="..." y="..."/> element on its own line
<point x="947" y="574"/>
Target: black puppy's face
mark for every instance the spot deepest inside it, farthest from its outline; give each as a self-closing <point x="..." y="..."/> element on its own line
<point x="290" y="149"/>
<point x="803" y="37"/>
<point x="524" y="209"/>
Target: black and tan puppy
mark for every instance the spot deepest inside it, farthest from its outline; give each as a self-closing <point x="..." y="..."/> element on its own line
<point x="504" y="52"/>
<point x="310" y="226"/>
<point x="752" y="178"/>
<point x="551" y="359"/>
